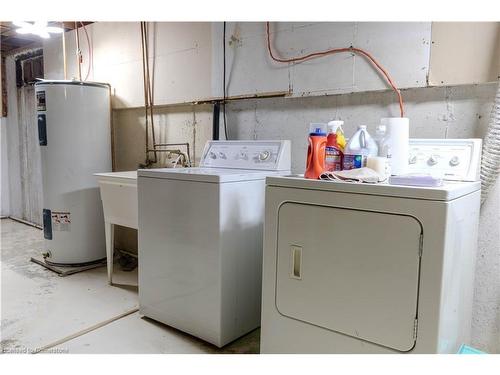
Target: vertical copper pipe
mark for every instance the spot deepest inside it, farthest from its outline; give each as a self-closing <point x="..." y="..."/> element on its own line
<point x="65" y="65"/>
<point x="150" y="92"/>
<point x="145" y="93"/>
<point x="148" y="95"/>
<point x="78" y="52"/>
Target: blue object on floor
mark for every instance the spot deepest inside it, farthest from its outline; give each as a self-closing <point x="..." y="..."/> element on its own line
<point x="464" y="349"/>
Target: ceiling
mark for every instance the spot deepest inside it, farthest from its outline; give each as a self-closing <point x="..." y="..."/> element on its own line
<point x="12" y="42"/>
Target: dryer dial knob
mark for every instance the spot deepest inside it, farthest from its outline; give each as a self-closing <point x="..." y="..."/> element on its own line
<point x="433" y="160"/>
<point x="412" y="159"/>
<point x="454" y="161"/>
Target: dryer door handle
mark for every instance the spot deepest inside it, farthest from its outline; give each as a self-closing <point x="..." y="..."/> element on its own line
<point x="296" y="262"/>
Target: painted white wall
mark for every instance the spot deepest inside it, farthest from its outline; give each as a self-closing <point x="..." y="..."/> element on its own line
<point x="464" y="53"/>
<point x="13" y="149"/>
<point x="4" y="165"/>
<point x="188" y="60"/>
<point x="4" y="175"/>
<point x="486" y="316"/>
<point x="192" y="124"/>
<point x="402" y="48"/>
<point x="22" y="154"/>
<point x="181" y="67"/>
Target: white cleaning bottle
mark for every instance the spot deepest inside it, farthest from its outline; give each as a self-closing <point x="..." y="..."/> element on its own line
<point x="359" y="147"/>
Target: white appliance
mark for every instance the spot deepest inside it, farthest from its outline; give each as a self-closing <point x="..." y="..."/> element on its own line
<point x="359" y="268"/>
<point x="200" y="239"/>
<point x="75" y="138"/>
<point x="119" y="202"/>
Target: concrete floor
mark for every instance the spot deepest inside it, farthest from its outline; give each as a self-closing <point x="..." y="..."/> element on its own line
<point x="39" y="308"/>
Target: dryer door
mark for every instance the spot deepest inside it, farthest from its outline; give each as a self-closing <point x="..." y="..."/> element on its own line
<point x="350" y="271"/>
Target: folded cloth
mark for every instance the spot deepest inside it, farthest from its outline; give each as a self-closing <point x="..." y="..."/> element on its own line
<point x="354" y="175"/>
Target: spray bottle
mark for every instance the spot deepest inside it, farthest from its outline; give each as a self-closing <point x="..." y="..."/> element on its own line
<point x="334" y="154"/>
<point x="336" y="126"/>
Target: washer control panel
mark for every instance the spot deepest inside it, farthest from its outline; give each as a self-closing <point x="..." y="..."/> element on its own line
<point x="263" y="155"/>
<point x="450" y="159"/>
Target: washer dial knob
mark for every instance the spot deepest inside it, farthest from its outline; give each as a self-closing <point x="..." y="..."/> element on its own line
<point x="264" y="155"/>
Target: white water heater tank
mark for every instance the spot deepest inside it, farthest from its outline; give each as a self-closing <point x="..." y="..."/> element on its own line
<point x="75" y="139"/>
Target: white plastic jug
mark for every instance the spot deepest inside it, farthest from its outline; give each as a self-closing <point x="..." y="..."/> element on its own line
<point x="360" y="146"/>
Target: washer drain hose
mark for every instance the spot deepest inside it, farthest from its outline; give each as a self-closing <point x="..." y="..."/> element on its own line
<point x="490" y="162"/>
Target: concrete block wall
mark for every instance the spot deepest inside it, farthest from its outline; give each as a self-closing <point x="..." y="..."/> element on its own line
<point x="439" y="112"/>
<point x="188" y="123"/>
<point x="188" y="58"/>
<point x="403" y="48"/>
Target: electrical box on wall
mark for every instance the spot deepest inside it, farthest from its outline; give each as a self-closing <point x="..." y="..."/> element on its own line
<point x="29" y="68"/>
<point x="32" y="70"/>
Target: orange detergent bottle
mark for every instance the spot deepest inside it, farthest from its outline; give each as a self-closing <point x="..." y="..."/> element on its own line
<point x="316" y="151"/>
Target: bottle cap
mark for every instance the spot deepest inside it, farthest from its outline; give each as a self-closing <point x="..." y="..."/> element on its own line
<point x="317" y="129"/>
<point x="334" y="125"/>
<point x="336" y="122"/>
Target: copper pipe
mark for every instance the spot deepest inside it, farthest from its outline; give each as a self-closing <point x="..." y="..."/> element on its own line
<point x="150" y="91"/>
<point x="65" y="65"/>
<point x="148" y="94"/>
<point x="146" y="101"/>
<point x="78" y="52"/>
<point x="185" y="144"/>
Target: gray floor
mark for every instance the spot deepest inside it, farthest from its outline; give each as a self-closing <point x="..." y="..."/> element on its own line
<point x="39" y="308"/>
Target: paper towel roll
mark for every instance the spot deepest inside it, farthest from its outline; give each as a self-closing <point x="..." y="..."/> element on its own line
<point x="397" y="138"/>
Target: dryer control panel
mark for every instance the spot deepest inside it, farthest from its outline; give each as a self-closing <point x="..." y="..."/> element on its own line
<point x="450" y="159"/>
<point x="261" y="155"/>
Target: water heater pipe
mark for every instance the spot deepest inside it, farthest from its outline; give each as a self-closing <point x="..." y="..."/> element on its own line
<point x="490" y="162"/>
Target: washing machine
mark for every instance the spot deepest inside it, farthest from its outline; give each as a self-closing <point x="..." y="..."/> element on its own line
<point x="200" y="239"/>
<point x="373" y="268"/>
